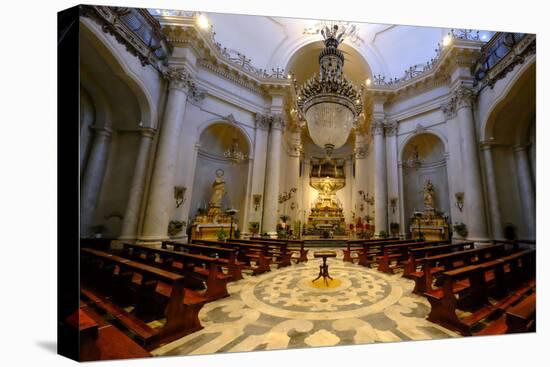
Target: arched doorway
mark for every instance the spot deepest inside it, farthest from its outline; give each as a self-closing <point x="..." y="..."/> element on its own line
<point x="423" y="158"/>
<point x="509" y="133"/>
<point x="214" y="141"/>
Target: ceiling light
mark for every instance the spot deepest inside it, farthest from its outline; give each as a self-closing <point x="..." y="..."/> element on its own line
<point x="447" y="40"/>
<point x="329" y="102"/>
<point x="203" y="22"/>
<point x="368" y="81"/>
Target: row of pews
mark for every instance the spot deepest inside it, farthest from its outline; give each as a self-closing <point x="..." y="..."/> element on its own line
<point x="139" y="297"/>
<point x="473" y="290"/>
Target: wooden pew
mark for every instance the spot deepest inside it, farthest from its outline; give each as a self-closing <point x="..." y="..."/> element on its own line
<point x="370" y="252"/>
<point x="521" y="318"/>
<point x="399" y="254"/>
<point x="276" y="250"/>
<point x="469" y="287"/>
<point x="153" y="288"/>
<point x="246" y="255"/>
<point x="357" y="245"/>
<point x="100" y="340"/>
<point x="226" y="256"/>
<point x="433" y="266"/>
<point x="418" y="253"/>
<point x="199" y="268"/>
<point x="292" y="246"/>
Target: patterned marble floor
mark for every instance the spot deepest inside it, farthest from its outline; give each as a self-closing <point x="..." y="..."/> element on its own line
<point x="281" y="309"/>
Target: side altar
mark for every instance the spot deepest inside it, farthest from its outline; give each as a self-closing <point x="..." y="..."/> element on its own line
<point x="326" y="215"/>
<point x="429" y="224"/>
<point x="207" y="225"/>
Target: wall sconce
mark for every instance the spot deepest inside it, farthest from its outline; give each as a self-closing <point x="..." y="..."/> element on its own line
<point x="366" y="197"/>
<point x="286" y="195"/>
<point x="393" y="204"/>
<point x="459" y="196"/>
<point x="179" y="195"/>
<point x="256" y="200"/>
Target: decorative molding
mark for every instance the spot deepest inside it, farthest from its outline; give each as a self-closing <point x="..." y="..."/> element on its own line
<point x="230" y="118"/>
<point x="390" y="128"/>
<point x="463" y="96"/>
<point x="277" y="121"/>
<point x="147" y="132"/>
<point x="377" y="127"/>
<point x="196" y="95"/>
<point x="261" y="121"/>
<point x="419" y="129"/>
<point x="134" y="28"/>
<point x="361" y="151"/>
<point x="449" y="110"/>
<point x="501" y="55"/>
<point x="179" y="79"/>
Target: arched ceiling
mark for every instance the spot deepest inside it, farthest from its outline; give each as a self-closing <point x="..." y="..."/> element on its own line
<point x="304" y="63"/>
<point x="106" y="85"/>
<point x="271" y="42"/>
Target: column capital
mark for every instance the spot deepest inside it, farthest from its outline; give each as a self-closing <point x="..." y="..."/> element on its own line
<point x="463" y="96"/>
<point x="179" y="79"/>
<point x="261" y="121"/>
<point x="147" y="132"/>
<point x="390" y="128"/>
<point x="449" y="110"/>
<point x="377" y="127"/>
<point x="277" y="121"/>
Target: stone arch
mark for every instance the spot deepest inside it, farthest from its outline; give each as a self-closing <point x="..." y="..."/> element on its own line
<point x="418" y="132"/>
<point x="217" y="121"/>
<point x="118" y="63"/>
<point x="510" y="91"/>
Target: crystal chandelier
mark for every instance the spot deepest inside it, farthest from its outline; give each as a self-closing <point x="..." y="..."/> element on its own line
<point x="329" y="102"/>
<point x="234" y="154"/>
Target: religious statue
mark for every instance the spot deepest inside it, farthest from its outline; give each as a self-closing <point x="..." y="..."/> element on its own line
<point x="429" y="195"/>
<point x="218" y="190"/>
<point x="328" y="187"/>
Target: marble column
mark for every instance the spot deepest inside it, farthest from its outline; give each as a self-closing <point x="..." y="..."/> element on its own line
<point x="492" y="193"/>
<point x="474" y="205"/>
<point x="161" y="203"/>
<point x="526" y="190"/>
<point x="390" y="131"/>
<point x="380" y="178"/>
<point x="131" y="215"/>
<point x="93" y="178"/>
<point x="293" y="171"/>
<point x="271" y="193"/>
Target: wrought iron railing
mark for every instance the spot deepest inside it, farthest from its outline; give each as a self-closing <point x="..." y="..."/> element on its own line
<point x="498" y="47"/>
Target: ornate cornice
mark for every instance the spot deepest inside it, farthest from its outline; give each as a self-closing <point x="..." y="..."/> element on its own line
<point x="449" y="110"/>
<point x="494" y="64"/>
<point x="134" y="28"/>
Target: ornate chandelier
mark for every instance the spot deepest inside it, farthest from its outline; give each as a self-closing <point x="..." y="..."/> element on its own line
<point x="234" y="154"/>
<point x="329" y="102"/>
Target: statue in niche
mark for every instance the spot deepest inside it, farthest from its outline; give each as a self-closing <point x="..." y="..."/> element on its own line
<point x="429" y="192"/>
<point x="218" y="190"/>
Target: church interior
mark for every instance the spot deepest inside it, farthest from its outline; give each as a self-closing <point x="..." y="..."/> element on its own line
<point x="255" y="183"/>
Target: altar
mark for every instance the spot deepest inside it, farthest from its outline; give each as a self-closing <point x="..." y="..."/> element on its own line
<point x="429" y="225"/>
<point x="326" y="217"/>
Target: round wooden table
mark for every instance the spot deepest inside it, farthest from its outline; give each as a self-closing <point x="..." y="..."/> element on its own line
<point x="323" y="269"/>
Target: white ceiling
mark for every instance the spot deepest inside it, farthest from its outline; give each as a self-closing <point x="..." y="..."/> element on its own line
<point x="271" y="41"/>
